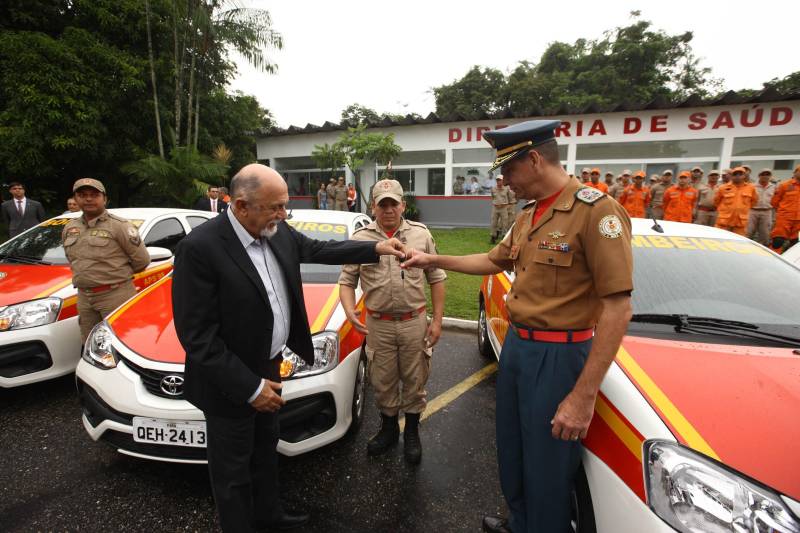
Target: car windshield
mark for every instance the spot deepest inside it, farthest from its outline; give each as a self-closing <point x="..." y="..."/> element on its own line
<point x="313" y="273"/>
<point x="42" y="243"/>
<point x="720" y="278"/>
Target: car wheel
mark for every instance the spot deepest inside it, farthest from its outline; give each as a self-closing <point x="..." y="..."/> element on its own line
<point x="484" y="345"/>
<point x="582" y="519"/>
<point x="359" y="392"/>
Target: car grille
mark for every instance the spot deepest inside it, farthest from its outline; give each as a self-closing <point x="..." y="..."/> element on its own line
<point x="151" y="379"/>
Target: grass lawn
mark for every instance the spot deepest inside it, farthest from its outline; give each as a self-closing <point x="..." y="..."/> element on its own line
<point x="461" y="300"/>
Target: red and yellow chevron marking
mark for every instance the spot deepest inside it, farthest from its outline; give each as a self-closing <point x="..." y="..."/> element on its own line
<point x="349" y="338"/>
<point x="327" y="310"/>
<point x="52" y="290"/>
<point x="133" y="300"/>
<point x="674" y="419"/>
<point x="69" y="308"/>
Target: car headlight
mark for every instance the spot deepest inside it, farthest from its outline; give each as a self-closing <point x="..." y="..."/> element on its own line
<point x="30" y="314"/>
<point x="693" y="493"/>
<point x="326" y="357"/>
<point x="99" y="349"/>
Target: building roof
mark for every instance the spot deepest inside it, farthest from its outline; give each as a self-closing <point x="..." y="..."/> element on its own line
<point x="730" y="98"/>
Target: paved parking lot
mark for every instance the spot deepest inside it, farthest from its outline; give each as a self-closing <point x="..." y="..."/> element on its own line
<point x="54" y="478"/>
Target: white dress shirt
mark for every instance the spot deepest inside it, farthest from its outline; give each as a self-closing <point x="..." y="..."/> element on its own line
<point x="272" y="277"/>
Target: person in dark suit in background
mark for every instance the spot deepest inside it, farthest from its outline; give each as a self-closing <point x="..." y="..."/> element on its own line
<point x="212" y="201"/>
<point x="234" y="337"/>
<point x="20" y="213"/>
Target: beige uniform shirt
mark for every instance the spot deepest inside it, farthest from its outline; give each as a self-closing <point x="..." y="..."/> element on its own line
<point x="765" y="195"/>
<point x="386" y="288"/>
<point x="105" y="251"/>
<point x="578" y="252"/>
<point x="657" y="194"/>
<point x="500" y="196"/>
<point x="331" y="190"/>
<point x="616" y="190"/>
<point x="705" y="195"/>
<point x="341" y="193"/>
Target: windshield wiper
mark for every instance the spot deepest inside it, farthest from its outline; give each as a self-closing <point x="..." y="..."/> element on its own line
<point x="24" y="259"/>
<point x="705" y="324"/>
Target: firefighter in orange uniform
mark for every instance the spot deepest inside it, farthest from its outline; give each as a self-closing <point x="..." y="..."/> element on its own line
<point x="636" y="197"/>
<point x="734" y="201"/>
<point x="680" y="200"/>
<point x="596" y="183"/>
<point x="786" y="202"/>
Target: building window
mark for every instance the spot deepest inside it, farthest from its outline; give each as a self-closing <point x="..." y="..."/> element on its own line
<point x="773" y="145"/>
<point x="419" y="157"/>
<point x="405" y="176"/>
<point x="297" y="183"/>
<point x="294" y="163"/>
<point x="650" y="150"/>
<point x="477" y="179"/>
<point x="781" y="168"/>
<point x="436" y="181"/>
<point x="473" y="155"/>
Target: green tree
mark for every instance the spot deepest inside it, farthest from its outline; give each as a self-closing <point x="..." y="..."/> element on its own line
<point x="357" y="114"/>
<point x="787" y="84"/>
<point x="481" y="90"/>
<point x="328" y="157"/>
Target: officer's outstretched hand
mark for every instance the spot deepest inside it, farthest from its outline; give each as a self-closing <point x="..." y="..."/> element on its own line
<point x="354" y="317"/>
<point x="573" y="416"/>
<point x="268" y="400"/>
<point x="391" y="247"/>
<point x="416" y="259"/>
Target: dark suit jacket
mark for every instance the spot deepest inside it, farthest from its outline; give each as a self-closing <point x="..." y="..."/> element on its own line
<point x="34" y="213"/>
<point x="204" y="204"/>
<point x="222" y="313"/>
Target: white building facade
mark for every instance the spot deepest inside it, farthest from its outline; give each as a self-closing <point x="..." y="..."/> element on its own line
<point x="759" y="133"/>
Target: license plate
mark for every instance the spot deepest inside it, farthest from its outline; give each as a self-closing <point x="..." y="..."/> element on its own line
<point x="170" y="432"/>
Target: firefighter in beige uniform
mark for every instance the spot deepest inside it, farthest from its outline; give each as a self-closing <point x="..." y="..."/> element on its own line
<point x="511" y="209"/>
<point x="340" y="195"/>
<point x="399" y="339"/>
<point x="104" y="252"/>
<point x="706" y="210"/>
<point x="499" y="210"/>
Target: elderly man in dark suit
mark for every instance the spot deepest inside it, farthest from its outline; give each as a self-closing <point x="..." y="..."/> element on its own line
<point x="20" y="213"/>
<point x="238" y="301"/>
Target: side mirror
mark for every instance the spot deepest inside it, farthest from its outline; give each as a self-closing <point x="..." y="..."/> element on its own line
<point x="158" y="254"/>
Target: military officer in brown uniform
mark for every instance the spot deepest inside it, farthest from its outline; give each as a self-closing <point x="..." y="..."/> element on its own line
<point x="657" y="194"/>
<point x="340" y="195"/>
<point x="104" y="252"/>
<point x="499" y="209"/>
<point x="331" y="190"/>
<point x="569" y="306"/>
<point x="399" y="338"/>
<point x="706" y="210"/>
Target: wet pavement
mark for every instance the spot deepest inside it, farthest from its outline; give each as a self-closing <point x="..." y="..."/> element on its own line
<point x="53" y="477"/>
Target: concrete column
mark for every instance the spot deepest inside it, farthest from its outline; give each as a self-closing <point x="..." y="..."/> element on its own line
<point x="572" y="151"/>
<point x="448" y="171"/>
<point x="727" y="150"/>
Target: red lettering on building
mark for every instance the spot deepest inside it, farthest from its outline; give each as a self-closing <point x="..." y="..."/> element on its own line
<point x="697" y="121"/>
<point x="469" y="134"/>
<point x="479" y="132"/>
<point x="749" y="122"/>
<point x="579" y="128"/>
<point x="563" y="129"/>
<point x="724" y="119"/>
<point x="780" y="116"/>
<point x="455" y="135"/>
<point x="632" y="125"/>
<point x="658" y="123"/>
<point x="598" y="128"/>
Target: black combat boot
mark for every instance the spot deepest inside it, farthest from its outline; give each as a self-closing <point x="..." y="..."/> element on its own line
<point x="387" y="437"/>
<point x="412" y="446"/>
<point x="493" y="239"/>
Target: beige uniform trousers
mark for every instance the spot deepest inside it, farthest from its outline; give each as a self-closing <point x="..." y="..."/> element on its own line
<point x="341" y="205"/>
<point x="706" y="218"/>
<point x="499" y="220"/>
<point x="657" y="213"/>
<point x="94" y="307"/>
<point x="511" y="215"/>
<point x="759" y="225"/>
<point x="398" y="356"/>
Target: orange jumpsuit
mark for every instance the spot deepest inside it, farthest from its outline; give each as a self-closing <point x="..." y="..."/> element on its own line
<point x="679" y="203"/>
<point x="786" y="202"/>
<point x="733" y="206"/>
<point x="600" y="186"/>
<point x="635" y="201"/>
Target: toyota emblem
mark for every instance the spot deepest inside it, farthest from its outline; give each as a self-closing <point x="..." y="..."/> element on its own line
<point x="172" y="385"/>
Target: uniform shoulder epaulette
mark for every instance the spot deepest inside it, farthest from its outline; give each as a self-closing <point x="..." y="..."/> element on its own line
<point x="589" y="195"/>
<point x="415" y="223"/>
<point x="117" y="218"/>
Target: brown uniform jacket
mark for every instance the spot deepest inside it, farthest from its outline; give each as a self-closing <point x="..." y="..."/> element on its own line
<point x="733" y="204"/>
<point x="105" y="251"/>
<point x="500" y="196"/>
<point x="705" y="195"/>
<point x="657" y="193"/>
<point x="386" y="287"/>
<point x="578" y="252"/>
<point x="341" y="193"/>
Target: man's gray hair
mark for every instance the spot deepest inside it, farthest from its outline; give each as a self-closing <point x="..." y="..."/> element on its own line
<point x="244" y="186"/>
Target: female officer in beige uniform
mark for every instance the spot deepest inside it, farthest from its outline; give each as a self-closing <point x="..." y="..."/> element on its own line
<point x="399" y="338"/>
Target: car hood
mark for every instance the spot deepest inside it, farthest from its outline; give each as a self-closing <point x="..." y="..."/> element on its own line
<point x="737" y="404"/>
<point x="145" y="323"/>
<point x="20" y="283"/>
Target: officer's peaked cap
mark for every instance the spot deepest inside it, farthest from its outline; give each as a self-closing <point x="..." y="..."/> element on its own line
<point x="515" y="140"/>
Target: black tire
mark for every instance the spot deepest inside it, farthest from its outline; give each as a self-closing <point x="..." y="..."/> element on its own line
<point x="484" y="345"/>
<point x="359" y="393"/>
<point x="582" y="510"/>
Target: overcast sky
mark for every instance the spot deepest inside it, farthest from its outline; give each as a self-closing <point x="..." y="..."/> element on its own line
<point x="388" y="55"/>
